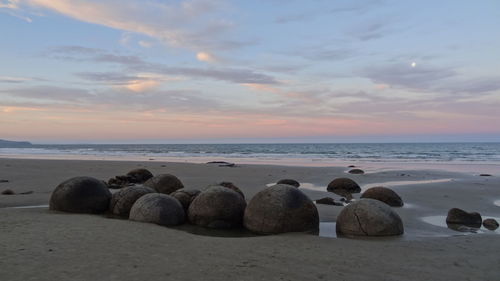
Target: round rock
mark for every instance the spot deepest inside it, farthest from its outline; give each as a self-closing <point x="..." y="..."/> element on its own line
<point x="289" y="182"/>
<point x="356" y="172"/>
<point x="81" y="195"/>
<point x="217" y="207"/>
<point x="281" y="208"/>
<point x="122" y="201"/>
<point x="185" y="196"/>
<point x="384" y="194"/>
<point x="231" y="185"/>
<point x="369" y="217"/>
<point x="158" y="208"/>
<point x="343" y="186"/>
<point x="490" y="224"/>
<point x="140" y="175"/>
<point x="164" y="183"/>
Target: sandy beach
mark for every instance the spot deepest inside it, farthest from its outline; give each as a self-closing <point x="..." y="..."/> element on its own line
<point x="38" y="244"/>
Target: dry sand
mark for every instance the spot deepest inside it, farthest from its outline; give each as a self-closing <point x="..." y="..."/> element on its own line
<point x="37" y="244"/>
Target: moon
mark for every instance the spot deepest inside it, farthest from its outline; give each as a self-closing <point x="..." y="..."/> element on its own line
<point x="413" y="64"/>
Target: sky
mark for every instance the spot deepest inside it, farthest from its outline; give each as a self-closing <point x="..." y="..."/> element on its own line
<point x="154" y="71"/>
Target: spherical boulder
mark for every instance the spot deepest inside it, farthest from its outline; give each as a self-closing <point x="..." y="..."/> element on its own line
<point x="217" y="207"/>
<point x="490" y="224"/>
<point x="281" y="208"/>
<point x="140" y="175"/>
<point x="81" y="195"/>
<point x="123" y="200"/>
<point x="185" y="196"/>
<point x="384" y="194"/>
<point x="369" y="217"/>
<point x="356" y="171"/>
<point x="343" y="186"/>
<point x="231" y="185"/>
<point x="459" y="216"/>
<point x="158" y="208"/>
<point x="289" y="182"/>
<point x="164" y="183"/>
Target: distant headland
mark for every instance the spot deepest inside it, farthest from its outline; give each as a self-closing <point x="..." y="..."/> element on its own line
<point x="7" y="143"/>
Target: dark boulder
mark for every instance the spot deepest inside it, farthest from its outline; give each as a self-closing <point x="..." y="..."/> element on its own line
<point x="356" y="171"/>
<point x="281" y="208"/>
<point x="328" y="201"/>
<point x="343" y="186"/>
<point x="490" y="224"/>
<point x="459" y="216"/>
<point x="8" y="192"/>
<point x="158" y="208"/>
<point x="384" y="194"/>
<point x="140" y="175"/>
<point x="185" y="196"/>
<point x="368" y="217"/>
<point x="123" y="200"/>
<point x="164" y="183"/>
<point x="81" y="195"/>
<point x="230" y="185"/>
<point x="217" y="207"/>
<point x="289" y="182"/>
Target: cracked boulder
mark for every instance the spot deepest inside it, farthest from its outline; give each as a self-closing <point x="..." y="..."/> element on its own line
<point x="281" y="208"/>
<point x="158" y="208"/>
<point x="369" y="217"/>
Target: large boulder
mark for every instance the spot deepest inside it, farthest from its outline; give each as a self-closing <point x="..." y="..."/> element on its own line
<point x="122" y="201"/>
<point x="185" y="196"/>
<point x="81" y="195"/>
<point x="459" y="216"/>
<point x="217" y="207"/>
<point x="343" y="186"/>
<point x="289" y="182"/>
<point x="369" y="217"/>
<point x="384" y="194"/>
<point x="281" y="208"/>
<point x="164" y="183"/>
<point x="158" y="208"/>
<point x="139" y="175"/>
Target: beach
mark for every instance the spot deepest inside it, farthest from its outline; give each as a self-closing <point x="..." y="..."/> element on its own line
<point x="38" y="244"/>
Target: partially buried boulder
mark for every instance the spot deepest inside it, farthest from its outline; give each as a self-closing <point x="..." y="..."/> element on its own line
<point x="289" y="182"/>
<point x="368" y="217"/>
<point x="8" y="192"/>
<point x="328" y="201"/>
<point x="231" y="185"/>
<point x="356" y="171"/>
<point x="164" y="183"/>
<point x="490" y="224"/>
<point x="459" y="216"/>
<point x="123" y="200"/>
<point x="140" y="175"/>
<point x="384" y="194"/>
<point x="81" y="195"/>
<point x="343" y="186"/>
<point x="158" y="208"/>
<point x="185" y="196"/>
<point x="281" y="208"/>
<point x="217" y="207"/>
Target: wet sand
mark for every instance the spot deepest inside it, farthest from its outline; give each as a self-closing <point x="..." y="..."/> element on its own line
<point x="43" y="245"/>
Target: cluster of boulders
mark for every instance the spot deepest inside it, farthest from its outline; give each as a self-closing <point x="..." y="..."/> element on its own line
<point x="163" y="200"/>
<point x="457" y="217"/>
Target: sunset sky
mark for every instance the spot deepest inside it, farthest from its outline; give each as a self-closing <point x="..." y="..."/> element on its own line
<point x="263" y="70"/>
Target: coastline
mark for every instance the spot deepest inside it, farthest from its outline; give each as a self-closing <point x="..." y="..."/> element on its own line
<point x="35" y="238"/>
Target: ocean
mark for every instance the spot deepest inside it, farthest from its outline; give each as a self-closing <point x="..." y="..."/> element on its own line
<point x="486" y="153"/>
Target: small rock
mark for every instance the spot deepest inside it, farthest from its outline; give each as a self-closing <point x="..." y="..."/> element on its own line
<point x="26" y="192"/>
<point x="490" y="224"/>
<point x="459" y="216"/>
<point x="328" y="201"/>
<point x="343" y="186"/>
<point x="351" y="166"/>
<point x="289" y="182"/>
<point x="1" y="181"/>
<point x="356" y="171"/>
<point x="8" y="192"/>
<point x="485" y="175"/>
